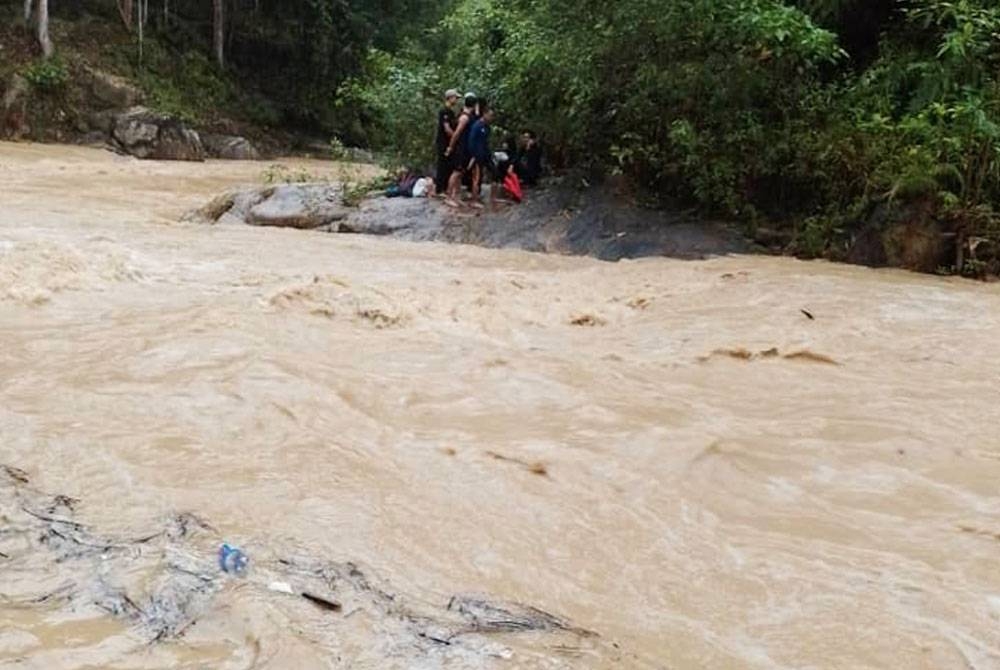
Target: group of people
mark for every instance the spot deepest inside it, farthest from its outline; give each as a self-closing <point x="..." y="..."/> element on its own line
<point x="464" y="154"/>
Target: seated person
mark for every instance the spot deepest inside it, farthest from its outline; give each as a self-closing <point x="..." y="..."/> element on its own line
<point x="529" y="159"/>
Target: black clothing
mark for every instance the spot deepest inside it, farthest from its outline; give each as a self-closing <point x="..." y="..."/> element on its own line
<point x="460" y="155"/>
<point x="529" y="165"/>
<point x="446" y="117"/>
<point x="444" y="166"/>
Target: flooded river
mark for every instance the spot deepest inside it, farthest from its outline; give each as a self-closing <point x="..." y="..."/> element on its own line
<point x="670" y="454"/>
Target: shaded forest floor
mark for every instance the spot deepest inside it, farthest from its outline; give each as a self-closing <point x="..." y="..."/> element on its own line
<point x="64" y="107"/>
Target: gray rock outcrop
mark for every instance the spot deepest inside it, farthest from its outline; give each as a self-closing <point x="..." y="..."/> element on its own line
<point x="110" y="90"/>
<point x="229" y="147"/>
<point x="147" y="134"/>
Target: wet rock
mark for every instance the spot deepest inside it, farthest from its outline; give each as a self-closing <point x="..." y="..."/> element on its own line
<point x="867" y="248"/>
<point x="102" y="121"/>
<point x="917" y="245"/>
<point x="93" y="138"/>
<point x="230" y="147"/>
<point x="562" y="221"/>
<point x="110" y="90"/>
<point x="297" y="206"/>
<point x="385" y="216"/>
<point x="147" y="134"/>
<point x="772" y="238"/>
<point x="905" y="235"/>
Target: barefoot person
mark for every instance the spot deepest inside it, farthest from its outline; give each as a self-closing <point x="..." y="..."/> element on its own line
<point x="457" y="150"/>
<point x="445" y="129"/>
<point x="481" y="157"/>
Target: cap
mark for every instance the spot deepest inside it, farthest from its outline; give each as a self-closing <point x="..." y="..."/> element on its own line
<point x="451" y="93"/>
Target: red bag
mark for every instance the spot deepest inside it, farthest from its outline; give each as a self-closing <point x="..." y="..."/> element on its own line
<point x="513" y="186"/>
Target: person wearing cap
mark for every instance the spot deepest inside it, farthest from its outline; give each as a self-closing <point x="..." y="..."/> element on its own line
<point x="445" y="130"/>
<point x="477" y="109"/>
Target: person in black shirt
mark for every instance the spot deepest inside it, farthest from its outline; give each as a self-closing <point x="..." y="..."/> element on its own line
<point x="445" y="130"/>
<point x="529" y="160"/>
<point x="457" y="151"/>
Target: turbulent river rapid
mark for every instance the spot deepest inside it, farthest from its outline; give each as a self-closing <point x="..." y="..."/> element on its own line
<point x="489" y="458"/>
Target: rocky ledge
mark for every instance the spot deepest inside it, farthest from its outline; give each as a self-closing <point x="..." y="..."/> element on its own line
<point x="559" y="220"/>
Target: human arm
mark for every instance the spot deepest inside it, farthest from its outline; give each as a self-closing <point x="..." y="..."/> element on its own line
<point x="463" y="121"/>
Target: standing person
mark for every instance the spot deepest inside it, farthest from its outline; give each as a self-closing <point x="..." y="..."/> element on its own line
<point x="457" y="150"/>
<point x="481" y="157"/>
<point x="476" y="114"/>
<point x="476" y="108"/>
<point x="445" y="129"/>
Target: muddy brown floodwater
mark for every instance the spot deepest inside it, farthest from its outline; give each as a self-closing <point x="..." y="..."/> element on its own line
<point x="667" y="453"/>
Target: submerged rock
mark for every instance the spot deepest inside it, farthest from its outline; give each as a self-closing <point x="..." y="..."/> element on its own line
<point x="147" y="134"/>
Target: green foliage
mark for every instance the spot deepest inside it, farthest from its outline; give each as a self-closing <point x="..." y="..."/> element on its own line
<point x="357" y="189"/>
<point x="338" y="151"/>
<point x="185" y="85"/>
<point x="807" y="114"/>
<point x="46" y="75"/>
<point x="278" y="173"/>
<point x="750" y="108"/>
<point x="399" y="97"/>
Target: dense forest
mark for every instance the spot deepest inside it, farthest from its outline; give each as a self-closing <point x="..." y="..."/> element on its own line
<point x="810" y="116"/>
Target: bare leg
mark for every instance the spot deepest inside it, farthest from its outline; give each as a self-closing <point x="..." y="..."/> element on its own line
<point x="454" y="181"/>
<point x="477" y="181"/>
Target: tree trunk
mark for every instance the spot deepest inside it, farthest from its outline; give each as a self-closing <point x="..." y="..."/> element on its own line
<point x="42" y="27"/>
<point x="27" y="12"/>
<point x="125" y="9"/>
<point x="142" y="29"/>
<point x="218" y="41"/>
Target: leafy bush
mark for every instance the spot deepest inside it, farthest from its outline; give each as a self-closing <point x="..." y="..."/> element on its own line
<point x="278" y="173"/>
<point x="746" y="107"/>
<point x="46" y="75"/>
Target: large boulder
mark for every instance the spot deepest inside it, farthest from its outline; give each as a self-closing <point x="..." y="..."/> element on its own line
<point x="918" y="245"/>
<point x="306" y="206"/>
<point x="102" y="121"/>
<point x="560" y="220"/>
<point x="299" y="206"/>
<point x="111" y="91"/>
<point x="147" y="134"/>
<point x="230" y="147"/>
<point x="906" y="235"/>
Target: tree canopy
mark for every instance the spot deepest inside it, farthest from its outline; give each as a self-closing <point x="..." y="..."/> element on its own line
<point x="808" y="112"/>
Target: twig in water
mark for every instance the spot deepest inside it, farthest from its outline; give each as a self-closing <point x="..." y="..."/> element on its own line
<point x="322" y="602"/>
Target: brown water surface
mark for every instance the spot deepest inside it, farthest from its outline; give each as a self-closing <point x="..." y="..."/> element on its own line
<point x="668" y="453"/>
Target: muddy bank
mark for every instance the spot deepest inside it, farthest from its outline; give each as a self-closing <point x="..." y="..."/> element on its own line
<point x="593" y="222"/>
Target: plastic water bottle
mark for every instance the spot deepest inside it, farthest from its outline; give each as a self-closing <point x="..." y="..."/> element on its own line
<point x="233" y="561"/>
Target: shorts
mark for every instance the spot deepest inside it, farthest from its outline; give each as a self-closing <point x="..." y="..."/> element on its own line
<point x="443" y="174"/>
<point x="459" y="162"/>
<point x="487" y="168"/>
